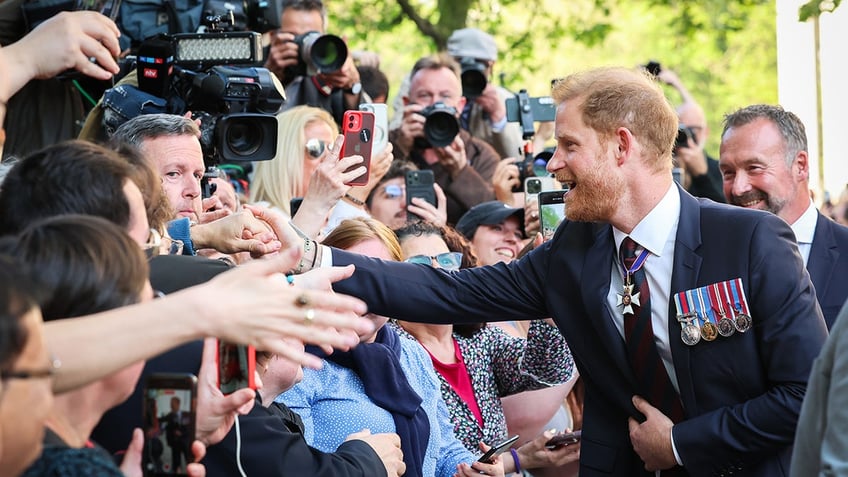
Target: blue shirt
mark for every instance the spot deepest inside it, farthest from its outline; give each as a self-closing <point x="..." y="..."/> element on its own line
<point x="333" y="401"/>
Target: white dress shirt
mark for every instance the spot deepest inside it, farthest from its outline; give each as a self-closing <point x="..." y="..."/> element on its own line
<point x="804" y="229"/>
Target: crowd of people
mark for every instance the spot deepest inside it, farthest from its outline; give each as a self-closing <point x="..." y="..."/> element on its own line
<point x="397" y="335"/>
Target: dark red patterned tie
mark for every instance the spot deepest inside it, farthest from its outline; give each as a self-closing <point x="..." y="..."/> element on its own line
<point x="651" y="377"/>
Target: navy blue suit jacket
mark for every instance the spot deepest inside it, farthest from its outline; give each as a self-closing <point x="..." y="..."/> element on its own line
<point x="828" y="266"/>
<point x="741" y="394"/>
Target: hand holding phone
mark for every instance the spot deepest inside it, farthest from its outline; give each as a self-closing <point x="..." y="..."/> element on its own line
<point x="168" y="421"/>
<point x="551" y="212"/>
<point x="358" y="130"/>
<point x="236" y="367"/>
<point x="563" y="439"/>
<point x="419" y="184"/>
<point x="497" y="449"/>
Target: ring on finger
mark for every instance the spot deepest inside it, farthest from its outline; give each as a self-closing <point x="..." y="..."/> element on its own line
<point x="309" y="316"/>
<point x="302" y="300"/>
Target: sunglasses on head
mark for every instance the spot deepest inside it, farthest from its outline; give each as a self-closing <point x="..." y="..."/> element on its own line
<point x="447" y="260"/>
<point x="316" y="147"/>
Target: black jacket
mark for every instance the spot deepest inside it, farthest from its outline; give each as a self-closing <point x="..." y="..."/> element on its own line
<point x="272" y="445"/>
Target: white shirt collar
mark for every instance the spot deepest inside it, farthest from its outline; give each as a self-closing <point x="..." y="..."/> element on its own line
<point x="653" y="230"/>
<point x="805" y="227"/>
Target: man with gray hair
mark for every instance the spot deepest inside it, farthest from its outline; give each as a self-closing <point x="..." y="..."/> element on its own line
<point x="171" y="143"/>
<point x="765" y="165"/>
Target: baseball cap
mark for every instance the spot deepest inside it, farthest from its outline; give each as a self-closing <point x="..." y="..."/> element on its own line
<point x="472" y="43"/>
<point x="488" y="213"/>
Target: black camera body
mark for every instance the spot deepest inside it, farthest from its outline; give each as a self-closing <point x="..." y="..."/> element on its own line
<point x="473" y="77"/>
<point x="317" y="53"/>
<point x="684" y="134"/>
<point x="236" y="105"/>
<point x="440" y="126"/>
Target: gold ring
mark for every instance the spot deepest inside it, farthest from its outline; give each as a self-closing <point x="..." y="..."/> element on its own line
<point x="302" y="300"/>
<point x="309" y="317"/>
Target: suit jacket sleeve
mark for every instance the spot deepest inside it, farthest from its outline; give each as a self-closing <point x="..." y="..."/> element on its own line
<point x="424" y="294"/>
<point x="821" y="440"/>
<point x="779" y="351"/>
<point x="269" y="449"/>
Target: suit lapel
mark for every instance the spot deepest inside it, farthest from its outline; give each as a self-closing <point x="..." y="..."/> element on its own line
<point x="686" y="267"/>
<point x="824" y="254"/>
<point x="596" y="277"/>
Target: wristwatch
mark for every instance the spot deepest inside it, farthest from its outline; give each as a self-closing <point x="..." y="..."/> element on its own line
<point x="356" y="88"/>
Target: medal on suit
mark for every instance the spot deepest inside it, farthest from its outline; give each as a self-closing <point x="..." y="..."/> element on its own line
<point x="709" y="331"/>
<point x="717" y="300"/>
<point x="690" y="333"/>
<point x="741" y="319"/>
<point x="627" y="298"/>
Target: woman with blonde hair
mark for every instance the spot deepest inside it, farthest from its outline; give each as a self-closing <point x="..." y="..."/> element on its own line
<point x="308" y="166"/>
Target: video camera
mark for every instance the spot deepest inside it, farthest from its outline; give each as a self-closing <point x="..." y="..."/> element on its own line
<point x="236" y="105"/>
<point x="317" y="54"/>
<point x="525" y="110"/>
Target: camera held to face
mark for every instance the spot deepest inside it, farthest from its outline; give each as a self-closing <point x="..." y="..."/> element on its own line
<point x="473" y="77"/>
<point x="318" y="54"/>
<point x="440" y="126"/>
<point x="684" y="134"/>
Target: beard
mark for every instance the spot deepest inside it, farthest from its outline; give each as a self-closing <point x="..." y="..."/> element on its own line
<point x="596" y="195"/>
<point x="770" y="203"/>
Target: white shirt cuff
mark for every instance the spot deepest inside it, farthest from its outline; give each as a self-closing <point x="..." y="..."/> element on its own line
<point x="674" y="449"/>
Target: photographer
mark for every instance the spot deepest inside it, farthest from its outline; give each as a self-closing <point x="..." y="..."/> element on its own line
<point x="336" y="91"/>
<point x="701" y="176"/>
<point x="484" y="115"/>
<point x="463" y="166"/>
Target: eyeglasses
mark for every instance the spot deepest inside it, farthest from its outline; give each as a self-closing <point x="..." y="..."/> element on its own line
<point x="316" y="147"/>
<point x="154" y="245"/>
<point x="48" y="372"/>
<point x="393" y="191"/>
<point x="448" y="260"/>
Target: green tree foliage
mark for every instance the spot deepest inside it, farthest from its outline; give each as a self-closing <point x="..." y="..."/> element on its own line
<point x="723" y="50"/>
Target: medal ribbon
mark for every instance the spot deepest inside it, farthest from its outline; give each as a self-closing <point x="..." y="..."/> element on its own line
<point x="690" y="297"/>
<point x="715" y="301"/>
<point x="637" y="264"/>
<point x="739" y="296"/>
<point x="682" y="304"/>
<point x="703" y="308"/>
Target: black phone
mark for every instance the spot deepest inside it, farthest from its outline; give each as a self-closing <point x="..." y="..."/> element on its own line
<point x="419" y="184"/>
<point x="168" y="423"/>
<point x="497" y="449"/>
<point x="563" y="439"/>
<point x="551" y="211"/>
<point x="542" y="108"/>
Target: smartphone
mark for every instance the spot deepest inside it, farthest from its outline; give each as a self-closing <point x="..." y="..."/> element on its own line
<point x="497" y="449"/>
<point x="381" y="124"/>
<point x="419" y="184"/>
<point x="358" y="130"/>
<point x="534" y="185"/>
<point x="551" y="211"/>
<point x="563" y="439"/>
<point x="168" y="423"/>
<point x="236" y="367"/>
<point x="542" y="108"/>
